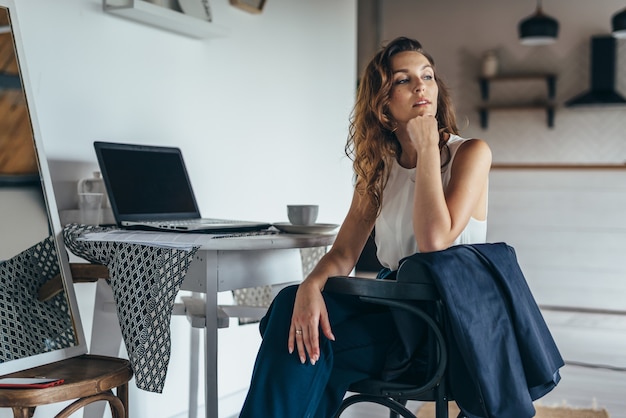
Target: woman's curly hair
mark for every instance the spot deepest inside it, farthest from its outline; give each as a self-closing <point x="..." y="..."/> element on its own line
<point x="372" y="143"/>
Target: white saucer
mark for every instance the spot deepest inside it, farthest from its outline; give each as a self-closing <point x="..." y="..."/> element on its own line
<point x="305" y="229"/>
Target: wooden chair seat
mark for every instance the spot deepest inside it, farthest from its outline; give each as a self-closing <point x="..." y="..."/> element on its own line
<point x="88" y="378"/>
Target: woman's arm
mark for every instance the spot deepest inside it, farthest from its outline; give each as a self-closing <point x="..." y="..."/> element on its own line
<point x="439" y="216"/>
<point x="309" y="312"/>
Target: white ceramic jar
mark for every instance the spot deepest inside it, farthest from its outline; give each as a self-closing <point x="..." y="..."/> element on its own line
<point x="490" y="64"/>
<point x="94" y="184"/>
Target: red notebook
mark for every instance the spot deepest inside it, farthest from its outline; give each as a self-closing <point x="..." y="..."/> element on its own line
<point x="29" y="382"/>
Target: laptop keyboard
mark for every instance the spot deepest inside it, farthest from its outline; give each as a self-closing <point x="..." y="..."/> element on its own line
<point x="201" y="221"/>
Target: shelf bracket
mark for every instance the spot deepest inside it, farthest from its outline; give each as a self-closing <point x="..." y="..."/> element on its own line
<point x="550" y="116"/>
<point x="484" y="118"/>
<point x="551" y="82"/>
<point x="484" y="88"/>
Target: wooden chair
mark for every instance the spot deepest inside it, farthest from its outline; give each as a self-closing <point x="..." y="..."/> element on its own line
<point x="88" y="378"/>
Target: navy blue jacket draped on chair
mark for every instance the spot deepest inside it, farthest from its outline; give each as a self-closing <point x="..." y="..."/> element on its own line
<point x="502" y="355"/>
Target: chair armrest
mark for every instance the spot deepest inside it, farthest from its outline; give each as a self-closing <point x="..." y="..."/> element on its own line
<point x="382" y="289"/>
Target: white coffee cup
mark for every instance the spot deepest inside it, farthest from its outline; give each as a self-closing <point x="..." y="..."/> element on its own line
<point x="302" y="214"/>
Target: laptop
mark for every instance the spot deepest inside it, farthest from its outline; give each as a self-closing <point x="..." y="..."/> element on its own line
<point x="149" y="189"/>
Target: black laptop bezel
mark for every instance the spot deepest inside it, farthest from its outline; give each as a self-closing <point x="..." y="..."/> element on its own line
<point x="101" y="146"/>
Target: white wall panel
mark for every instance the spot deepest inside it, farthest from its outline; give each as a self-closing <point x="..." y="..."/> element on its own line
<point x="569" y="230"/>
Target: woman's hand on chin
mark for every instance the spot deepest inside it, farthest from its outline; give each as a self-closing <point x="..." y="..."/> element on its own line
<point x="423" y="131"/>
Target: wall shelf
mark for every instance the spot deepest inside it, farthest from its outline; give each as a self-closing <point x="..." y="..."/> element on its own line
<point x="484" y="111"/>
<point x="164" y="18"/>
<point x="548" y="106"/>
<point x="558" y="166"/>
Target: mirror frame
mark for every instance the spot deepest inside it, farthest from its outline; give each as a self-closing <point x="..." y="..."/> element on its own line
<point x="53" y="217"/>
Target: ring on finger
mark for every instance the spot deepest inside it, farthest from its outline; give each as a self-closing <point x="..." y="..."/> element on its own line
<point x="298" y="332"/>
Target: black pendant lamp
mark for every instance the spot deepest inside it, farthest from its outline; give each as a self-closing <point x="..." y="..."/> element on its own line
<point x="619" y="24"/>
<point x="538" y="29"/>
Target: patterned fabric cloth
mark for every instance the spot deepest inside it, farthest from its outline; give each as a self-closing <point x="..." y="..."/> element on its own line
<point x="31" y="326"/>
<point x="145" y="280"/>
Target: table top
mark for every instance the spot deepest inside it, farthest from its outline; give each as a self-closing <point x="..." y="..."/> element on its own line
<point x="222" y="242"/>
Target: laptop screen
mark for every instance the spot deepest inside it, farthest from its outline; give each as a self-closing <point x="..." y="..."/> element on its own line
<point x="146" y="182"/>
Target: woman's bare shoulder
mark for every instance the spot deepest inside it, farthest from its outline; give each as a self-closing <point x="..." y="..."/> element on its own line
<point x="474" y="148"/>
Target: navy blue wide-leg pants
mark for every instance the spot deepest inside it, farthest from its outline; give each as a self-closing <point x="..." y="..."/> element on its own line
<point x="282" y="387"/>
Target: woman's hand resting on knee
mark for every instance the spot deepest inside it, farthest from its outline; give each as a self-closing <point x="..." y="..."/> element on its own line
<point x="309" y="316"/>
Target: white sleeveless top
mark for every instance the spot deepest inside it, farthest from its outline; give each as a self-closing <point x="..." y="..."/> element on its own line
<point x="394" y="226"/>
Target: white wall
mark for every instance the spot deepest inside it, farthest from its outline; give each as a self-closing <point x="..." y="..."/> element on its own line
<point x="261" y="115"/>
